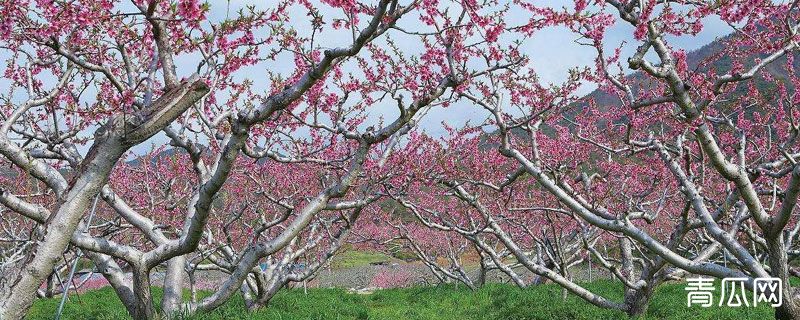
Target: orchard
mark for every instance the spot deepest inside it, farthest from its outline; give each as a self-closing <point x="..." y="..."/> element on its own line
<point x="156" y="143"/>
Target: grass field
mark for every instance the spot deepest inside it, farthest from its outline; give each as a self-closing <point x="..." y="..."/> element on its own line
<point x="495" y="301"/>
<point x="355" y="258"/>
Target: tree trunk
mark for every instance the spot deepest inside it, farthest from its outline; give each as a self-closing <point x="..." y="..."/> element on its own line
<point x="637" y="301"/>
<point x="779" y="267"/>
<point x="267" y="294"/>
<point x="116" y="277"/>
<point x="18" y="288"/>
<point x="141" y="291"/>
<point x="52" y="285"/>
<point x="173" y="286"/>
<point x="192" y="287"/>
<point x="482" y="268"/>
<point x="480" y="281"/>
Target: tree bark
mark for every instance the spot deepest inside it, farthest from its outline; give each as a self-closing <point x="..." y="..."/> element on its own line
<point x="173" y="287"/>
<point x="779" y="267"/>
<point x="113" y="273"/>
<point x="143" y="308"/>
<point x="480" y="281"/>
<point x="639" y="300"/>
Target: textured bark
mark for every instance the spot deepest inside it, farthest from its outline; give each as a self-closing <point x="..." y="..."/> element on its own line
<point x="779" y="267"/>
<point x="480" y="280"/>
<point x="52" y="285"/>
<point x="173" y="286"/>
<point x="638" y="301"/>
<point x="143" y="298"/>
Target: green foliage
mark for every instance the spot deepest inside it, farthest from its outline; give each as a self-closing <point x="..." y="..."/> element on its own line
<point x="96" y="304"/>
<point x="495" y="301"/>
<point x="356" y="258"/>
<point x="404" y="254"/>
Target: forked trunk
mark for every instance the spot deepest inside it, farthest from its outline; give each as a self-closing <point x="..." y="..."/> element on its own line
<point x="266" y="294"/>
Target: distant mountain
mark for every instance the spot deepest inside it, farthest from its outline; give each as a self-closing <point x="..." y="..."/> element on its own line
<point x="166" y="153"/>
<point x="710" y="56"/>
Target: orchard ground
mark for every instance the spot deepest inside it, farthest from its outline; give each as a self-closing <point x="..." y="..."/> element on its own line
<point x="354" y="270"/>
<point x="494" y="301"/>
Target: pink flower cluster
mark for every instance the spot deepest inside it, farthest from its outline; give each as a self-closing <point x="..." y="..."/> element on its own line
<point x="387" y="278"/>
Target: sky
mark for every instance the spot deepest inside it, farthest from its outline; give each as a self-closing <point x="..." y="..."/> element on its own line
<point x="552" y="51"/>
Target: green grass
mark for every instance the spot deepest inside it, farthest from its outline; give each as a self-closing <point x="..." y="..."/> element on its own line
<point x="495" y="301"/>
<point x="357" y="258"/>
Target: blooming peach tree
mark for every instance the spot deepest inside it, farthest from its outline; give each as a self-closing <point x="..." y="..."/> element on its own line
<point x="242" y="105"/>
<point x="689" y="159"/>
<point x="250" y="139"/>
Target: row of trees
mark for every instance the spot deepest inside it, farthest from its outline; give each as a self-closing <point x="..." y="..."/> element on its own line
<point x="280" y="133"/>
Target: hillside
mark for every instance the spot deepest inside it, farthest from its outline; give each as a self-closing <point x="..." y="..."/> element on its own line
<point x="709" y="56"/>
